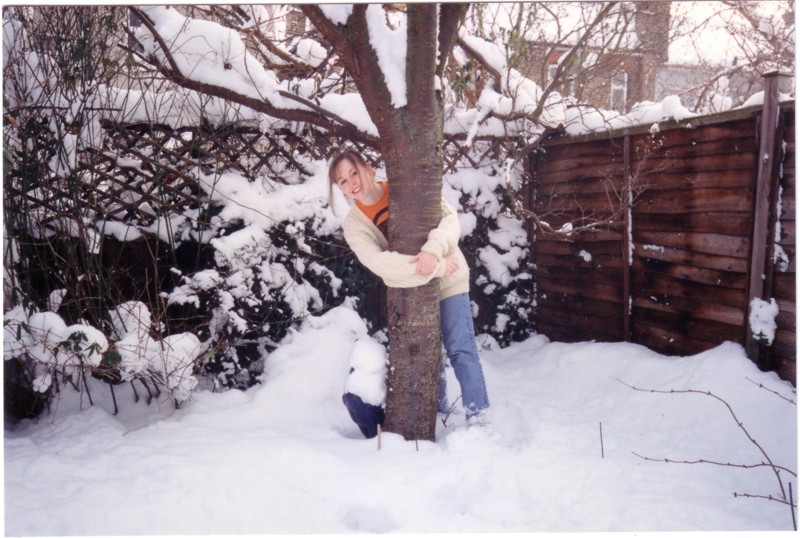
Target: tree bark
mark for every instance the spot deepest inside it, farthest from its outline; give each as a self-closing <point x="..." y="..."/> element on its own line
<point x="415" y="166"/>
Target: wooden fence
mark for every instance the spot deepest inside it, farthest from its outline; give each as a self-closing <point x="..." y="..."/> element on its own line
<point x="677" y="228"/>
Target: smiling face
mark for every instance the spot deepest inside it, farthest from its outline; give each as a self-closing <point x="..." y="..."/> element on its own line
<point x="356" y="181"/>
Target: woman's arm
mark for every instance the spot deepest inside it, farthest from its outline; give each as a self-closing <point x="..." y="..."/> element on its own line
<point x="396" y="269"/>
<point x="443" y="240"/>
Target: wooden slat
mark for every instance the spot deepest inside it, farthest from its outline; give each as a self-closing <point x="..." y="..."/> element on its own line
<point x="594" y="290"/>
<point x="681" y="175"/>
<point x="696" y="201"/>
<point x="728" y="223"/>
<point x="578" y="276"/>
<point x="688" y="257"/>
<point x="690" y="308"/>
<point x="692" y="273"/>
<point x="572" y="248"/>
<point x="683" y="327"/>
<point x="572" y="325"/>
<point x="708" y="243"/>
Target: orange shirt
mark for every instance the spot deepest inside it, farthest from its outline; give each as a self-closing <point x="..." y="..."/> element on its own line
<point x="378" y="212"/>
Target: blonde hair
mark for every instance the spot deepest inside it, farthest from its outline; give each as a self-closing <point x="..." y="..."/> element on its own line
<point x="350" y="155"/>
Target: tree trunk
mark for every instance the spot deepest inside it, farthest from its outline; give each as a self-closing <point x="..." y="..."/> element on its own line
<point x="413" y="313"/>
<point x="414" y="166"/>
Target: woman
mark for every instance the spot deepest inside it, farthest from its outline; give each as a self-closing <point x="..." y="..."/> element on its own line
<point x="365" y="232"/>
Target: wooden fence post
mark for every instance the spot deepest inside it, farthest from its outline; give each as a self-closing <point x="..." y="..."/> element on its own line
<point x="764" y="205"/>
<point x="627" y="249"/>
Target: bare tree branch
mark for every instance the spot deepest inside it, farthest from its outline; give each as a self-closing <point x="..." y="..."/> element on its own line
<point x="568" y="57"/>
<point x="450" y="20"/>
<point x="316" y="115"/>
<point x="497" y="78"/>
<point x="721" y="464"/>
<point x="775" y="468"/>
<point x="775" y="392"/>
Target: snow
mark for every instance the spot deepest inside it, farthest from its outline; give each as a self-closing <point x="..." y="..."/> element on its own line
<point x="263" y="206"/>
<point x="757" y="99"/>
<point x="762" y="319"/>
<point x="351" y="107"/>
<point x="390" y="47"/>
<point x="284" y="457"/>
<point x="501" y="265"/>
<point x="337" y="13"/>
<point x="311" y="51"/>
<point x="52" y="345"/>
<point x="46" y="338"/>
<point x="120" y="231"/>
<point x="208" y="52"/>
<point x="491" y="53"/>
<point x="367" y="379"/>
<point x="582" y="120"/>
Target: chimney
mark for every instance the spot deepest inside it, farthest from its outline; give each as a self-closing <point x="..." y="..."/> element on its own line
<point x="652" y="28"/>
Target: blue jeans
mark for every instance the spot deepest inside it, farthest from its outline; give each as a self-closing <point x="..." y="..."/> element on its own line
<point x="458" y="337"/>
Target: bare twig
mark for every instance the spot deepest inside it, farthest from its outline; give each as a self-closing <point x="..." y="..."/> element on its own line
<point x="769" y="463"/>
<point x="781" y="396"/>
<point x="602" y="449"/>
<point x="449" y="412"/>
<point x="768" y="497"/>
<point x="711" y="462"/>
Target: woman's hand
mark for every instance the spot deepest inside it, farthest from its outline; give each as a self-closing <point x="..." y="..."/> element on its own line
<point x="450" y="266"/>
<point x="426" y="263"/>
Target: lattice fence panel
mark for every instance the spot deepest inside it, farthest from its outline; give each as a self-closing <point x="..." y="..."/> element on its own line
<point x="146" y="170"/>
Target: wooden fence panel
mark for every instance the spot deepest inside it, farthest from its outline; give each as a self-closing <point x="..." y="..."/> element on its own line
<point x="688" y="235"/>
<point x="580" y="289"/>
<point x="703" y="172"/>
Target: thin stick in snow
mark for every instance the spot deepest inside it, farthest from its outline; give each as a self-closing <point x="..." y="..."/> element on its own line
<point x="602" y="450"/>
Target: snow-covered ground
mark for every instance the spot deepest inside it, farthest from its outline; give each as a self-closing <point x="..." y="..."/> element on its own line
<point x="283" y="457"/>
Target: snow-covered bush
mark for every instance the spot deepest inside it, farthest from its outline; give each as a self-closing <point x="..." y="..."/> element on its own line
<point x="52" y="346"/>
<point x="496" y="245"/>
<point x="261" y="285"/>
<point x="252" y="295"/>
<point x="54" y="354"/>
<point x="169" y="361"/>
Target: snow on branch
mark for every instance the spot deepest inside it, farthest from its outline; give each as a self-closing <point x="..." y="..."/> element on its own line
<point x="206" y="52"/>
<point x="210" y="59"/>
<point x="390" y="47"/>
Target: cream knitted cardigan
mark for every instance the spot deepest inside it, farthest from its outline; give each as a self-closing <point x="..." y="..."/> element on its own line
<point x="371" y="249"/>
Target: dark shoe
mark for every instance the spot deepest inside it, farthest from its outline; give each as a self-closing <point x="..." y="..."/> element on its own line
<point x="366" y="416"/>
